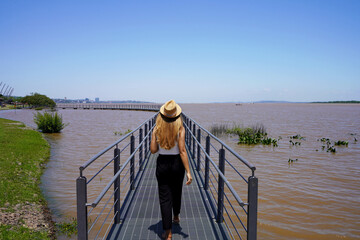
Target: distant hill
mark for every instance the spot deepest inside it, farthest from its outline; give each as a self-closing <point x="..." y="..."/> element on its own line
<point x="273" y="101"/>
<point x="351" y="101"/>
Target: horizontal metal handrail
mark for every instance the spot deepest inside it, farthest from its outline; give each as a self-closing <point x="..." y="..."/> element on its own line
<point x="104" y="191"/>
<point x="121" y="177"/>
<point x="249" y="165"/>
<point x="236" y="196"/>
<point x="85" y="165"/>
<point x="112" y="106"/>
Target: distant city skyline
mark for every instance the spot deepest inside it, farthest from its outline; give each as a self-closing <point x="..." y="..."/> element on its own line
<point x="189" y="51"/>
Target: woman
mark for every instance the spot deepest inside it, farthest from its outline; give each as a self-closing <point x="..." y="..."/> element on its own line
<point x="168" y="138"/>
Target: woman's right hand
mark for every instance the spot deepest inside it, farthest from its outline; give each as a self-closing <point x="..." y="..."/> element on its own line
<point x="189" y="178"/>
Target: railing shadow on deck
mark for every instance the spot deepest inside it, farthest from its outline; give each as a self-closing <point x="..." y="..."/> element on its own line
<point x="224" y="205"/>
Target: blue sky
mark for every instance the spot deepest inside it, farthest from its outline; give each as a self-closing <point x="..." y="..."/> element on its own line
<point x="191" y="51"/>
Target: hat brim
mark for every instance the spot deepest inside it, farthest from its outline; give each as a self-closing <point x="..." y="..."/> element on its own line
<point x="178" y="111"/>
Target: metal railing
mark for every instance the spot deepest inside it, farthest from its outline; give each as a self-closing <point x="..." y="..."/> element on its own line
<point x="110" y="106"/>
<point x="209" y="157"/>
<point x="96" y="213"/>
<point x="94" y="216"/>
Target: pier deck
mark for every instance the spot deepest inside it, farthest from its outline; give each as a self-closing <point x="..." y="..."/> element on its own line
<point x="143" y="218"/>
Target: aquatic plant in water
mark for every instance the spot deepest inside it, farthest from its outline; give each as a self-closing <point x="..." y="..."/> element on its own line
<point x="297" y="136"/>
<point x="67" y="228"/>
<point x="331" y="149"/>
<point x="49" y="122"/>
<point x="120" y="133"/>
<point x="294" y="143"/>
<point x="219" y="129"/>
<point x="292" y="160"/>
<point x="345" y="143"/>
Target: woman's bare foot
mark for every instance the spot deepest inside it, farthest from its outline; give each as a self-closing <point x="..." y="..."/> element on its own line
<point x="167" y="235"/>
<point x="176" y="219"/>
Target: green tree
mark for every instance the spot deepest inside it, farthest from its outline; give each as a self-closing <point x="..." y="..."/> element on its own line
<point x="38" y="100"/>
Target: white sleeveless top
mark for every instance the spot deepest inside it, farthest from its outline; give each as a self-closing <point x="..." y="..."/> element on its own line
<point x="172" y="151"/>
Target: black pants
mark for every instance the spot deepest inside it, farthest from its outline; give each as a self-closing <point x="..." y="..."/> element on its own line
<point x="170" y="173"/>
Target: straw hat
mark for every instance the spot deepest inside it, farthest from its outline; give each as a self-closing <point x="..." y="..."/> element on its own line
<point x="170" y="109"/>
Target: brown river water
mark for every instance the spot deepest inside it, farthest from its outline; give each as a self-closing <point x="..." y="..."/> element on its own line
<point x="316" y="197"/>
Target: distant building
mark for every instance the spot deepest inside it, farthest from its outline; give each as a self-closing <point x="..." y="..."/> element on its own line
<point x="97" y="100"/>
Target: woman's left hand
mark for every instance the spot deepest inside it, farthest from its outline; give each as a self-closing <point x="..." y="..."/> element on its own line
<point x="189" y="178"/>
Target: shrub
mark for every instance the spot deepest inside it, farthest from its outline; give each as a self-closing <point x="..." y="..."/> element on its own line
<point x="49" y="122"/>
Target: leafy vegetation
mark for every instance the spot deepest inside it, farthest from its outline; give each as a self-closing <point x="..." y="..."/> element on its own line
<point x="250" y="135"/>
<point x="297" y="136"/>
<point x="67" y="228"/>
<point x="296" y="140"/>
<point x="38" y="100"/>
<point x="49" y="122"/>
<point x="120" y="133"/>
<point x="345" y="143"/>
<point x="292" y="160"/>
<point x="331" y="147"/>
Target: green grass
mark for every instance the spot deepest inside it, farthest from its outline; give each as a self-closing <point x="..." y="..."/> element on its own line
<point x="67" y="228"/>
<point x="23" y="154"/>
<point x="19" y="232"/>
<point x="7" y="107"/>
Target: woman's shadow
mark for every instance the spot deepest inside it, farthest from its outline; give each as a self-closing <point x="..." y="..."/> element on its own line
<point x="176" y="229"/>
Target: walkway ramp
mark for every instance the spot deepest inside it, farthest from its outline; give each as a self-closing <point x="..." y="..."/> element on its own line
<point x="128" y="207"/>
<point x="143" y="219"/>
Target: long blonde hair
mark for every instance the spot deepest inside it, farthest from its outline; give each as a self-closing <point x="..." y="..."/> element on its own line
<point x="167" y="132"/>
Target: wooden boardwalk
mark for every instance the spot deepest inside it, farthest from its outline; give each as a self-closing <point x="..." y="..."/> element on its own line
<point x="142" y="220"/>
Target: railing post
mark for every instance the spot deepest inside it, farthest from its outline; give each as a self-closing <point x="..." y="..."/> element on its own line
<point x="190" y="137"/>
<point x="132" y="163"/>
<point x="117" y="186"/>
<point x="252" y="208"/>
<point x="207" y="148"/>
<point x="186" y="131"/>
<point x="81" y="199"/>
<point x="193" y="143"/>
<point x="220" y="217"/>
<point x="198" y="149"/>
<point x="140" y="149"/>
<point x="150" y="135"/>
<point x="150" y="126"/>
<point x="146" y="138"/>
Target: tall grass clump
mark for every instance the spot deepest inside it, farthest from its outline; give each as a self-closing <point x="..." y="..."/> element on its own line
<point x="219" y="129"/>
<point x="250" y="135"/>
<point x="49" y="122"/>
<point x="247" y="135"/>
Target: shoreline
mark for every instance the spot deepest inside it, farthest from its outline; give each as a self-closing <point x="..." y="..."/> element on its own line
<point x="24" y="211"/>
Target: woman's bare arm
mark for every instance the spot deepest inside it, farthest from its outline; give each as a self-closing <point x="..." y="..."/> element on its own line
<point x="153" y="145"/>
<point x="183" y="155"/>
